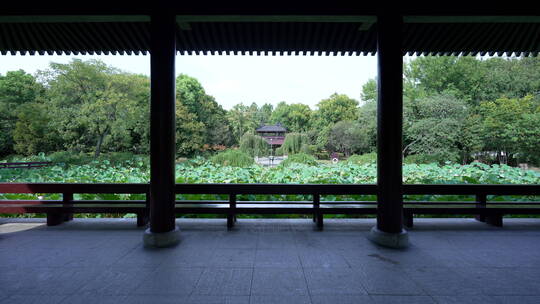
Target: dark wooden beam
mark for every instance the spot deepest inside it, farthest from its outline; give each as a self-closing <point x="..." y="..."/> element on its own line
<point x="389" y="124"/>
<point x="162" y="122"/>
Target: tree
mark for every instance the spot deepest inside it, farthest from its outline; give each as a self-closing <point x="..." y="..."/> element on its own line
<point x="241" y="120"/>
<point x="336" y="108"/>
<point x="528" y="133"/>
<point x="293" y="143"/>
<point x="90" y="101"/>
<point x="369" y="91"/>
<point x="205" y="109"/>
<point x="464" y="76"/>
<point x="32" y="133"/>
<point x="16" y="89"/>
<point x="348" y="137"/>
<point x="367" y="120"/>
<point x="294" y="117"/>
<point x="436" y="128"/>
<point x="254" y="145"/>
<point x="189" y="131"/>
<point x="502" y="124"/>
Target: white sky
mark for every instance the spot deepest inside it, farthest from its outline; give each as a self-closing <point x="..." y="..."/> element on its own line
<point x="247" y="79"/>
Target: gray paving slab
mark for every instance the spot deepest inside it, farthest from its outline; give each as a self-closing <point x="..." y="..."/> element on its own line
<point x="114" y="281"/>
<point x="334" y="281"/>
<point x="402" y="299"/>
<point x="503" y="281"/>
<point x="341" y="299"/>
<point x="94" y="298"/>
<point x="269" y="261"/>
<point x="278" y="281"/>
<point x="198" y="299"/>
<point x="170" y="281"/>
<point x="517" y="299"/>
<point x="225" y="282"/>
<point x="280" y="299"/>
<point x="475" y="299"/>
<point x="277" y="258"/>
<point x="233" y="257"/>
<point x="388" y="280"/>
<point x="33" y="299"/>
<point x="443" y="281"/>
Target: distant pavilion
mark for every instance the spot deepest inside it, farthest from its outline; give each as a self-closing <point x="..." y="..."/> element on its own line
<point x="273" y="134"/>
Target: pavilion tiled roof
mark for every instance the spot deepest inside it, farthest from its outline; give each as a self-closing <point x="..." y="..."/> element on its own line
<point x="271" y="128"/>
<point x="269" y="34"/>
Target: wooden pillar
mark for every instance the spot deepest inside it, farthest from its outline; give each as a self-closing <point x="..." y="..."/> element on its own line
<point x="162" y="130"/>
<point x="389" y="230"/>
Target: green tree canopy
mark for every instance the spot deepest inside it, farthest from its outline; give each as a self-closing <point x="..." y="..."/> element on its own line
<point x="294" y="117"/>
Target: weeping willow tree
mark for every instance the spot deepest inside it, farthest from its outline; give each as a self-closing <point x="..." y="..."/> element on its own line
<point x="293" y="143"/>
<point x="254" y="145"/>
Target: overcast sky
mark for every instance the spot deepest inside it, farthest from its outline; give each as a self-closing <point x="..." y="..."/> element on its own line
<point x="247" y="79"/>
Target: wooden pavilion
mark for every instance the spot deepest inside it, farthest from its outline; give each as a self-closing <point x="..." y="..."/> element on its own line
<point x="273" y="134"/>
<point x="165" y="29"/>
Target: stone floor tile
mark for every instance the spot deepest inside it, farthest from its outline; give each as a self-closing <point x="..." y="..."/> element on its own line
<point x="233" y="258"/>
<point x="322" y="258"/>
<point x="476" y="299"/>
<point x="93" y="298"/>
<point x="388" y="280"/>
<point x="442" y="281"/>
<point x="198" y="299"/>
<point x="33" y="299"/>
<point x="282" y="257"/>
<point x="502" y="281"/>
<point x="341" y="299"/>
<point x="114" y="280"/>
<point x="225" y="282"/>
<point x="517" y="299"/>
<point x="278" y="281"/>
<point x="170" y="281"/>
<point x="281" y="300"/>
<point x="334" y="281"/>
<point x="403" y="299"/>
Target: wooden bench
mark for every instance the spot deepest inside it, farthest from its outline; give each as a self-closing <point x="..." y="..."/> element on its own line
<point x="24" y="165"/>
<point x="485" y="210"/>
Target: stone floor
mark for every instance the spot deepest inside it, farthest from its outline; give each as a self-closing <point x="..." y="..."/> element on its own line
<point x="269" y="261"/>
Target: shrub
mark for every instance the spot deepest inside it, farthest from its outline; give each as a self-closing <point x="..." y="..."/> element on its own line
<point x="424" y="159"/>
<point x="279" y="152"/>
<point x="254" y="145"/>
<point x="70" y="158"/>
<point x="368" y="158"/>
<point x="233" y="158"/>
<point x="299" y="158"/>
<point x="117" y="158"/>
<point x="308" y="149"/>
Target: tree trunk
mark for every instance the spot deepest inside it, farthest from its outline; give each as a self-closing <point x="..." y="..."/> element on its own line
<point x="99" y="143"/>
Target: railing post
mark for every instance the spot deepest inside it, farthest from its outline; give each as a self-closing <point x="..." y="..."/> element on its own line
<point x="231" y="215"/>
<point x="142" y="216"/>
<point x="481" y="201"/>
<point x="389" y="231"/>
<point x="67" y="201"/>
<point x="408" y="219"/>
<point x="317" y="211"/>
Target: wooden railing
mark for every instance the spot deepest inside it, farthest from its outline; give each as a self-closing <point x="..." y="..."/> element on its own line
<point x="479" y="204"/>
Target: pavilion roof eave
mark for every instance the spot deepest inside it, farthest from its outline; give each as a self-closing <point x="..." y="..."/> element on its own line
<point x="309" y="34"/>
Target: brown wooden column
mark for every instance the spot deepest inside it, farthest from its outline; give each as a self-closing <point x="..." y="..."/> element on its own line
<point x="163" y="231"/>
<point x="389" y="230"/>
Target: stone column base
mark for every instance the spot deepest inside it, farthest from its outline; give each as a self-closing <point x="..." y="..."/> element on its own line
<point x="391" y="240"/>
<point x="161" y="239"/>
